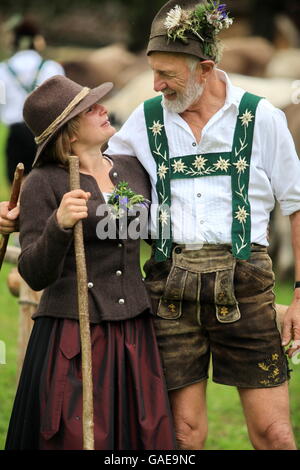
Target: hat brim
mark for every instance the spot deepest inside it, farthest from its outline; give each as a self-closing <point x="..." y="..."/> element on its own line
<point x="160" y="43"/>
<point x="94" y="95"/>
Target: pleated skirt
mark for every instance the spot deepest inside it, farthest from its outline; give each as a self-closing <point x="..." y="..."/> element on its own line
<point x="131" y="408"/>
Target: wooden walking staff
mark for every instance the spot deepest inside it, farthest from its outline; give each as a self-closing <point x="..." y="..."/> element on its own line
<point x="16" y="186"/>
<point x="84" y="321"/>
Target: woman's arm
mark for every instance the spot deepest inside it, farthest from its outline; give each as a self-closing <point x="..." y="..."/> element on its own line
<point x="45" y="238"/>
<point x="9" y="220"/>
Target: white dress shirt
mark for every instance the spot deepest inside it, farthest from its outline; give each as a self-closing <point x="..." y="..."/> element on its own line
<point x="201" y="208"/>
<point x="25" y="64"/>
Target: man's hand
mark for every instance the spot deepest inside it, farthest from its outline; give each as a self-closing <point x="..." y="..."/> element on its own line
<point x="291" y="326"/>
<point x="9" y="220"/>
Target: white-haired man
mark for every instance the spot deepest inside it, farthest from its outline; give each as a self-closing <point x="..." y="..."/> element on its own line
<point x="216" y="157"/>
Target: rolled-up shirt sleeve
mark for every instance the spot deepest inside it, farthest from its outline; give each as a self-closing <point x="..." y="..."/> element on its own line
<point x="281" y="162"/>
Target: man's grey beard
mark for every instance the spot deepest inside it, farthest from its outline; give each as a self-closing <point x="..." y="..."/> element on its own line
<point x="184" y="100"/>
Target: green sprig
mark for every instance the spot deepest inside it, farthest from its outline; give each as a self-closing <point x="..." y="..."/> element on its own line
<point x="123" y="197"/>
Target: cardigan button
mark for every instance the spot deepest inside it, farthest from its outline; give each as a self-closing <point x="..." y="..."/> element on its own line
<point x="90" y="285"/>
<point x="119" y="273"/>
<point x="121" y="301"/>
<point x="115" y="174"/>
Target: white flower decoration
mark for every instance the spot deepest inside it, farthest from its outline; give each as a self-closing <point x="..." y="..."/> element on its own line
<point x="241" y="165"/>
<point x="164" y="216"/>
<point x="241" y="215"/>
<point x="222" y="164"/>
<point x="214" y="18"/>
<point x="199" y="162"/>
<point x="179" y="166"/>
<point x="162" y="170"/>
<point x="173" y="17"/>
<point x="246" y="118"/>
<point x="227" y="22"/>
<point x="156" y="128"/>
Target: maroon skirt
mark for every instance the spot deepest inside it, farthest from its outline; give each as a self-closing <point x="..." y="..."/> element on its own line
<point x="131" y="409"/>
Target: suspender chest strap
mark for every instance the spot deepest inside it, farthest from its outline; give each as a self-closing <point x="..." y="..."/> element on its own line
<point x="235" y="164"/>
<point x="160" y="150"/>
<point x="27" y="88"/>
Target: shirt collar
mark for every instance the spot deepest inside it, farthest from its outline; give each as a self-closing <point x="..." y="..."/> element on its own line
<point x="233" y="93"/>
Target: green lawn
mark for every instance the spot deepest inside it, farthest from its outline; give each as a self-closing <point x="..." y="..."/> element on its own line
<point x="226" y="424"/>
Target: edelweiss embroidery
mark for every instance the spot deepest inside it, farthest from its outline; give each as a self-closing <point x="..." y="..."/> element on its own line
<point x="271" y="369"/>
<point x="193" y="166"/>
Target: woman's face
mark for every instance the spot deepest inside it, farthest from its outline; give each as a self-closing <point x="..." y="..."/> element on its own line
<point x="94" y="126"/>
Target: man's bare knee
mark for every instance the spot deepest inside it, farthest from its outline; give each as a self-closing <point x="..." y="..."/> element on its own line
<point x="190" y="437"/>
<point x="277" y="436"/>
<point x="190" y="417"/>
<point x="280" y="436"/>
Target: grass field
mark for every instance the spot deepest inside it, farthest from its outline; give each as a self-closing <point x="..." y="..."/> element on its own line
<point x="227" y="430"/>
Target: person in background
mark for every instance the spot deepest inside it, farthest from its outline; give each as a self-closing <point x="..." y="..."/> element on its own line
<point x="20" y="75"/>
<point x="131" y="409"/>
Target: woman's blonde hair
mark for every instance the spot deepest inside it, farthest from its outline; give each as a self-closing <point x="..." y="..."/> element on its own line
<point x="60" y="148"/>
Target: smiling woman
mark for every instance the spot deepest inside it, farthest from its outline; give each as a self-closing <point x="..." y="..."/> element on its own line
<point x="125" y="361"/>
<point x="94" y="127"/>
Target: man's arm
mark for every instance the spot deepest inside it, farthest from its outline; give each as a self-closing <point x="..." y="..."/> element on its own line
<point x="291" y="322"/>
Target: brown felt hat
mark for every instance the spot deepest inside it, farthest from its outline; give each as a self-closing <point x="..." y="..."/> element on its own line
<point x="159" y="42"/>
<point x="54" y="103"/>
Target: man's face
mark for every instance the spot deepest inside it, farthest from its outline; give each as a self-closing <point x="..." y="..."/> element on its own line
<point x="173" y="77"/>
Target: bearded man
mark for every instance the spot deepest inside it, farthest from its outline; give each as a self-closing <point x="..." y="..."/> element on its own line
<point x="217" y="156"/>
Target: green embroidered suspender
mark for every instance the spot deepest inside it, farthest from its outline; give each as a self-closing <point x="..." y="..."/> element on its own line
<point x="235" y="163"/>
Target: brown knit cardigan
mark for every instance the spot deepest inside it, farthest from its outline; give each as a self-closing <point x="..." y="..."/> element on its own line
<point x="47" y="260"/>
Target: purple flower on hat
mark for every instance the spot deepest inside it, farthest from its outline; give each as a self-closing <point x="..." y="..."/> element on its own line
<point x="222" y="10"/>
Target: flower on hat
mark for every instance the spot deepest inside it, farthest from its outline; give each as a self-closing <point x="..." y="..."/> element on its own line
<point x="177" y="22"/>
<point x="173" y="17"/>
<point x="204" y="22"/>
